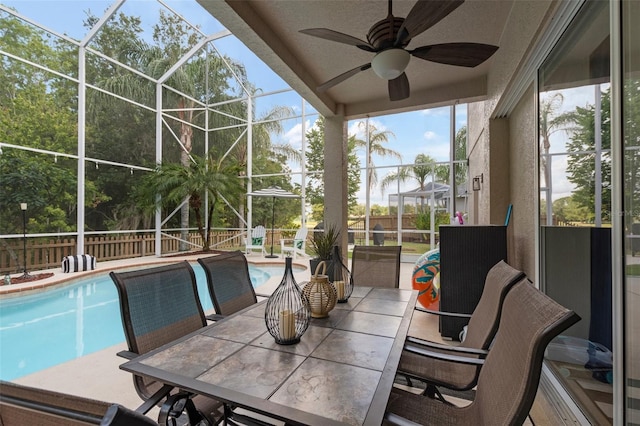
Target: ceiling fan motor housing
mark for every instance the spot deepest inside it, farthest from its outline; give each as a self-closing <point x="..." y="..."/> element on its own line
<point x="383" y="34"/>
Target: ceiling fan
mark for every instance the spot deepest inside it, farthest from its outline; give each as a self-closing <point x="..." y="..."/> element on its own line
<point x="389" y="38"/>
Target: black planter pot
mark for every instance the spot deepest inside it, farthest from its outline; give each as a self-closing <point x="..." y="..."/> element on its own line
<point x="314" y="262"/>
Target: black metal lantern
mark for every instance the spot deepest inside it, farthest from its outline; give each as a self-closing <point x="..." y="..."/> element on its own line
<point x="287" y="312"/>
<point x="342" y="279"/>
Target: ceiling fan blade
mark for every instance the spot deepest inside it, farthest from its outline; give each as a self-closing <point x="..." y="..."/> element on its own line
<point x="399" y="88"/>
<point x="342" y="77"/>
<point x="424" y="15"/>
<point x="460" y="54"/>
<point x="328" y="34"/>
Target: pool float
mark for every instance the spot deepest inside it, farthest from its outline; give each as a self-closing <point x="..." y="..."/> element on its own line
<point x="424" y="279"/>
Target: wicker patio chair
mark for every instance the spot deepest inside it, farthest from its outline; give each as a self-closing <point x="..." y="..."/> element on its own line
<point x="482" y="327"/>
<point x="23" y="405"/>
<point x="376" y="266"/>
<point x="159" y="305"/>
<point x="509" y="380"/>
<point x="229" y="282"/>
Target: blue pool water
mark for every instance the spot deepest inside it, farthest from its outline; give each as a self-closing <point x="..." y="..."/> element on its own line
<point x="49" y="328"/>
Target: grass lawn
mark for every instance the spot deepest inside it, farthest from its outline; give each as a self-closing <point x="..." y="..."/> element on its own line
<point x="407" y="248"/>
<point x="633" y="270"/>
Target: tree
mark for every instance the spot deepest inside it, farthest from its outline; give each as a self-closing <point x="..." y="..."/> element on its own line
<point x="631" y="134"/>
<point x="566" y="210"/>
<point x="550" y="123"/>
<point x="315" y="163"/>
<point x="35" y="112"/>
<point x="268" y="157"/>
<point x="377" y="139"/>
<point x="205" y="176"/>
<point x="420" y="170"/>
<point x="460" y="152"/>
<point x="581" y="166"/>
<point x="172" y="39"/>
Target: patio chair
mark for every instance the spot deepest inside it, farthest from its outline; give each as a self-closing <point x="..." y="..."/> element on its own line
<point x="376" y="266"/>
<point x="298" y="243"/>
<point x="23" y="405"/>
<point x="258" y="240"/>
<point x="229" y="282"/>
<point x="482" y="327"/>
<point x="509" y="379"/>
<point x="159" y="305"/>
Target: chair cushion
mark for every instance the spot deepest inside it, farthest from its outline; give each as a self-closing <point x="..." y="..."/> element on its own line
<point x="299" y="244"/>
<point x="256" y="241"/>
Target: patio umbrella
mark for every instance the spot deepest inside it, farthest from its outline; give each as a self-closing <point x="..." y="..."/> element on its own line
<point x="273" y="192"/>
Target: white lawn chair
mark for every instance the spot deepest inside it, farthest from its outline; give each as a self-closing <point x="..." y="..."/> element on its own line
<point x="258" y="239"/>
<point x="298" y="243"/>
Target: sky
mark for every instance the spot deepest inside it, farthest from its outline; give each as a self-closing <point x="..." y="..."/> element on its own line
<point x="425" y="131"/>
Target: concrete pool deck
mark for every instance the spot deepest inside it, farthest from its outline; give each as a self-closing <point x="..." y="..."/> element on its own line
<point x="98" y="375"/>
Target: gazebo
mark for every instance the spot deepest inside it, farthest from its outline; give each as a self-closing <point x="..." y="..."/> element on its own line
<point x="436" y="193"/>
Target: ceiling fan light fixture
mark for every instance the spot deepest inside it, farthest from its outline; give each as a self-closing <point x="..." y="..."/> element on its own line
<point x="391" y="63"/>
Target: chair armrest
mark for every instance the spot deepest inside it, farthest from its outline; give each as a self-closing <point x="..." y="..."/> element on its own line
<point x="433" y="345"/>
<point x="127" y="354"/>
<point x="160" y="394"/>
<point x="214" y="317"/>
<point x="394" y="419"/>
<point x="441" y="313"/>
<point x="443" y="357"/>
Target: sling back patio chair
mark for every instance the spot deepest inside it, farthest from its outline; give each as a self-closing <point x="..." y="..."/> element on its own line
<point x="229" y="282"/>
<point x="159" y="305"/>
<point x="257" y="241"/>
<point x="482" y="327"/>
<point x="298" y="243"/>
<point x="509" y="379"/>
<point x="24" y="405"/>
<point x="376" y="266"/>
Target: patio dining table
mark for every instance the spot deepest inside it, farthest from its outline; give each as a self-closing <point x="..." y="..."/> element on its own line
<point x="340" y="373"/>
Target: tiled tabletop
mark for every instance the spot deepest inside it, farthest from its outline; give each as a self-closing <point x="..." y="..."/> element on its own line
<point x="341" y="371"/>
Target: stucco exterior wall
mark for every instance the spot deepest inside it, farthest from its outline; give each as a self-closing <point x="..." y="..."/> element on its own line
<point x="478" y="153"/>
<point x="503" y="150"/>
<point x="500" y="166"/>
<point x="523" y="193"/>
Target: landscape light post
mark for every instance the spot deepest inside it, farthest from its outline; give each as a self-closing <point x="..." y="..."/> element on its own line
<point x="23" y="207"/>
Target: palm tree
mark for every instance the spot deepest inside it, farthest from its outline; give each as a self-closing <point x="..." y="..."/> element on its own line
<point x="422" y="167"/>
<point x="204" y="176"/>
<point x="377" y="139"/>
<point x="203" y="79"/>
<point x="551" y="122"/>
<point x="266" y="125"/>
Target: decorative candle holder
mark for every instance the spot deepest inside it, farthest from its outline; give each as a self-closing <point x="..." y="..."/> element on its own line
<point x="320" y="293"/>
<point x="287" y="311"/>
<point x="342" y="279"/>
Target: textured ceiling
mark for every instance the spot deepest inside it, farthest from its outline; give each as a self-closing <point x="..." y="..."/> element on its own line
<point x="271" y="30"/>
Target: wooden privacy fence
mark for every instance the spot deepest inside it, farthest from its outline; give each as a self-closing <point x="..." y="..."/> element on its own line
<point x="48" y="253"/>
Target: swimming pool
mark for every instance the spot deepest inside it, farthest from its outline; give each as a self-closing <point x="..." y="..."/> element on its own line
<point x="45" y="329"/>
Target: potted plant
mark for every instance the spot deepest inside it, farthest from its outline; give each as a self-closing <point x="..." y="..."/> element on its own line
<point x="322" y="246"/>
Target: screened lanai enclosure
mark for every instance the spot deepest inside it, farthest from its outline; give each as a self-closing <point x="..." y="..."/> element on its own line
<point x="132" y="128"/>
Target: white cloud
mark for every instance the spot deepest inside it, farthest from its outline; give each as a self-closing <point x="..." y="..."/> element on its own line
<point x="436" y="111"/>
<point x="430" y="135"/>
<point x="562" y="187"/>
<point x="356" y="129"/>
<point x="293" y="136"/>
